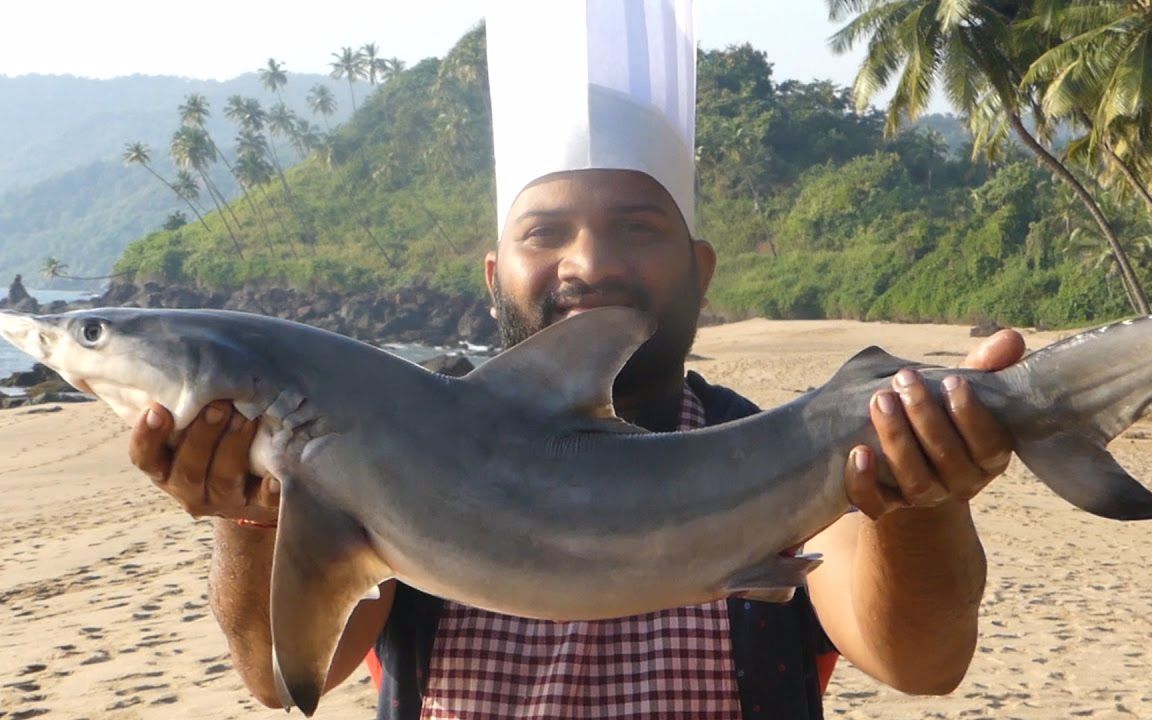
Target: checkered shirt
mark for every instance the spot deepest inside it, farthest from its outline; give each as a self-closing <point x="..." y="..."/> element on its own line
<point x="672" y="665"/>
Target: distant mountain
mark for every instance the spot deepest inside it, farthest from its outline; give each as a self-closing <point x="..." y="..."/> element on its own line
<point x="63" y="188"/>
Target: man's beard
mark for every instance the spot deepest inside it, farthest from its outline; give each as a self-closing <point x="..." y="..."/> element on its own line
<point x="661" y="356"/>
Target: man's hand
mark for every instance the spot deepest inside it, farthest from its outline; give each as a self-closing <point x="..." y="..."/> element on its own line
<point x="207" y="472"/>
<point x="932" y="453"/>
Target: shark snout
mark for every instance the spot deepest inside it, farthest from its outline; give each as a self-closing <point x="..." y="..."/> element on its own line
<point x="23" y="331"/>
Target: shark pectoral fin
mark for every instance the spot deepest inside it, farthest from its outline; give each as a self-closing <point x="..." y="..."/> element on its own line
<point x="568" y="367"/>
<point x="1086" y="475"/>
<point x="774" y="580"/>
<point x="322" y="567"/>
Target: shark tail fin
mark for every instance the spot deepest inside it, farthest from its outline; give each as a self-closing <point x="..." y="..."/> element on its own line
<point x="1086" y="475"/>
<point x="1094" y="386"/>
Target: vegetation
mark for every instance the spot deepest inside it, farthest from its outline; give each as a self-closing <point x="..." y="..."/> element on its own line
<point x="819" y="206"/>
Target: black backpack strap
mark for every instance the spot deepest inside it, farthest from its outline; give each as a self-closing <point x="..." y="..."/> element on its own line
<point x="405" y="652"/>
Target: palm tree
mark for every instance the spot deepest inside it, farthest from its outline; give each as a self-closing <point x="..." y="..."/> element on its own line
<point x="52" y="268"/>
<point x="323" y="103"/>
<point x="967" y="47"/>
<point x="349" y="64"/>
<point x="1099" y="76"/>
<point x="193" y="113"/>
<point x="273" y="77"/>
<point x="373" y="64"/>
<point x="393" y="66"/>
<point x="191" y="149"/>
<point x="137" y="153"/>
<point x="254" y="122"/>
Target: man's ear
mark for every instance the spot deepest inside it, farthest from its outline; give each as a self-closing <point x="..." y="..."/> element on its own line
<point x="705" y="263"/>
<point x="490" y="279"/>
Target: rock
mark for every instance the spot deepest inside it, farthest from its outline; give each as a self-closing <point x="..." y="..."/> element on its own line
<point x="13" y="401"/>
<point x="57" y="397"/>
<point x="17" y="293"/>
<point x="985" y="329"/>
<point x="477" y="326"/>
<point x="30" y="378"/>
<point x="449" y="364"/>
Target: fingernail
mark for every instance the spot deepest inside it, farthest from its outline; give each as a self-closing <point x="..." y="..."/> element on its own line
<point x="153" y="419"/>
<point x="906" y="378"/>
<point x="860" y="460"/>
<point x="951" y="382"/>
<point x="236" y="422"/>
<point x="273" y="486"/>
<point x="886" y="402"/>
<point x="213" y="415"/>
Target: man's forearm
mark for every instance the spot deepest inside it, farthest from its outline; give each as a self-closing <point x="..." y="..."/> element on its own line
<point x="238" y="589"/>
<point x="918" y="578"/>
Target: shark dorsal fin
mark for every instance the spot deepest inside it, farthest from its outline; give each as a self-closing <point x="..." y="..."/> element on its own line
<point x="871" y="363"/>
<point x="568" y="367"/>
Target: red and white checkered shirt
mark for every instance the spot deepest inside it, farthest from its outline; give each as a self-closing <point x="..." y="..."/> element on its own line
<point x="674" y="664"/>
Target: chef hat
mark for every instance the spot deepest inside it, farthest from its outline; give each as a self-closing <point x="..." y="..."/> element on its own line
<point x="582" y="84"/>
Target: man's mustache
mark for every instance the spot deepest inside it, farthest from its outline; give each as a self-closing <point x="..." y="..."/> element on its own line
<point x="576" y="293"/>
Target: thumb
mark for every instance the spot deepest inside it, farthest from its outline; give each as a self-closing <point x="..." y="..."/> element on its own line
<point x="997" y="352"/>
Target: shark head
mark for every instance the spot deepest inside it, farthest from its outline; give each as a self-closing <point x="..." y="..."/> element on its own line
<point x="127" y="358"/>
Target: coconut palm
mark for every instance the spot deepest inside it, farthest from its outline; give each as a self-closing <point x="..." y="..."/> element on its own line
<point x="966" y="47"/>
<point x="194" y="112"/>
<point x="137" y="153"/>
<point x="52" y="269"/>
<point x="349" y="64"/>
<point x="192" y="150"/>
<point x="1099" y="77"/>
<point x="373" y="64"/>
<point x="323" y="103"/>
<point x="254" y="123"/>
<point x="273" y="77"/>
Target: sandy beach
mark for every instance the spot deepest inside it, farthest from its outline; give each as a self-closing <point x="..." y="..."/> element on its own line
<point x="103" y="608"/>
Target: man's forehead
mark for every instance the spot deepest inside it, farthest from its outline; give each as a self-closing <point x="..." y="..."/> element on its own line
<point x="615" y="191"/>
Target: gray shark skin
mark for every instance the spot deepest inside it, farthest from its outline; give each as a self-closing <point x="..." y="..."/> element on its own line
<point x="517" y="489"/>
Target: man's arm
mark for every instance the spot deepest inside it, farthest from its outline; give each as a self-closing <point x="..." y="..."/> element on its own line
<point x="900" y="590"/>
<point x="208" y="475"/>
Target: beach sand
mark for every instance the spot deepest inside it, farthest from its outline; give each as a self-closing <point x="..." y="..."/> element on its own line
<point x="103" y="612"/>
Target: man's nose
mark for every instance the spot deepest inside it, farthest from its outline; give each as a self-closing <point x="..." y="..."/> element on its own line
<point x="592" y="258"/>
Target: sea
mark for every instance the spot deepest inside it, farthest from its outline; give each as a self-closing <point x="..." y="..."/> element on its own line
<point x="12" y="360"/>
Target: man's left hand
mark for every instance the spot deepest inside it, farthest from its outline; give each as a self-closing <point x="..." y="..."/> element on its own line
<point x="931" y="452"/>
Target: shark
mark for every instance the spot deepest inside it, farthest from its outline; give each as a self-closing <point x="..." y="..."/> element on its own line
<point x="518" y="489"/>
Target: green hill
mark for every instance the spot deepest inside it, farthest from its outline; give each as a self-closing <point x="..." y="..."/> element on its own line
<point x="813" y="212"/>
<point x="64" y="191"/>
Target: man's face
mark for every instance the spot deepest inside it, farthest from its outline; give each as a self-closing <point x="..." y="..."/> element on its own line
<point x="584" y="239"/>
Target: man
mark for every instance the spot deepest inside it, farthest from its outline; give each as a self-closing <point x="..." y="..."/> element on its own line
<point x="607" y="220"/>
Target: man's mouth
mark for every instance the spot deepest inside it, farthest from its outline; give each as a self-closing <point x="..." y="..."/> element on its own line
<point x="590" y="302"/>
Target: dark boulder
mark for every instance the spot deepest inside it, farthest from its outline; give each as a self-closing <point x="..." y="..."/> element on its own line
<point x="449" y="364"/>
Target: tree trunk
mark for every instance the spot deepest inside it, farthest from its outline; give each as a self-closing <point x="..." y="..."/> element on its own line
<point x="172" y="187"/>
<point x="1136" y="295"/>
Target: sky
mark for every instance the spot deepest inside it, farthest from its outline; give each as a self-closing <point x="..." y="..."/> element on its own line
<point x="220" y="39"/>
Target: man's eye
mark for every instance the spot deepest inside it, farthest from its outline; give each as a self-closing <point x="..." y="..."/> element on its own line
<point x="544" y="235"/>
<point x="640" y="228"/>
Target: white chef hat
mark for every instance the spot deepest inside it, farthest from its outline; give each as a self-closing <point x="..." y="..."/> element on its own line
<point x="583" y="84"/>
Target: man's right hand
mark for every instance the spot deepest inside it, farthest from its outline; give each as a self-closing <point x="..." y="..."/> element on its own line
<point x="207" y="470"/>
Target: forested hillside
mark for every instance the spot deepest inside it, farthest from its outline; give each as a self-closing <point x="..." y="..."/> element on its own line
<point x="64" y="188"/>
<point x="814" y="212"/>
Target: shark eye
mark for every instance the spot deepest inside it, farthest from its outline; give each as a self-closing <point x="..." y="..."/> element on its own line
<point x="92" y="331"/>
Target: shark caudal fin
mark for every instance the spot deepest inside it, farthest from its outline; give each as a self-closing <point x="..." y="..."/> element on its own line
<point x="1089" y="389"/>
<point x="323" y="565"/>
<point x="1086" y="475"/>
